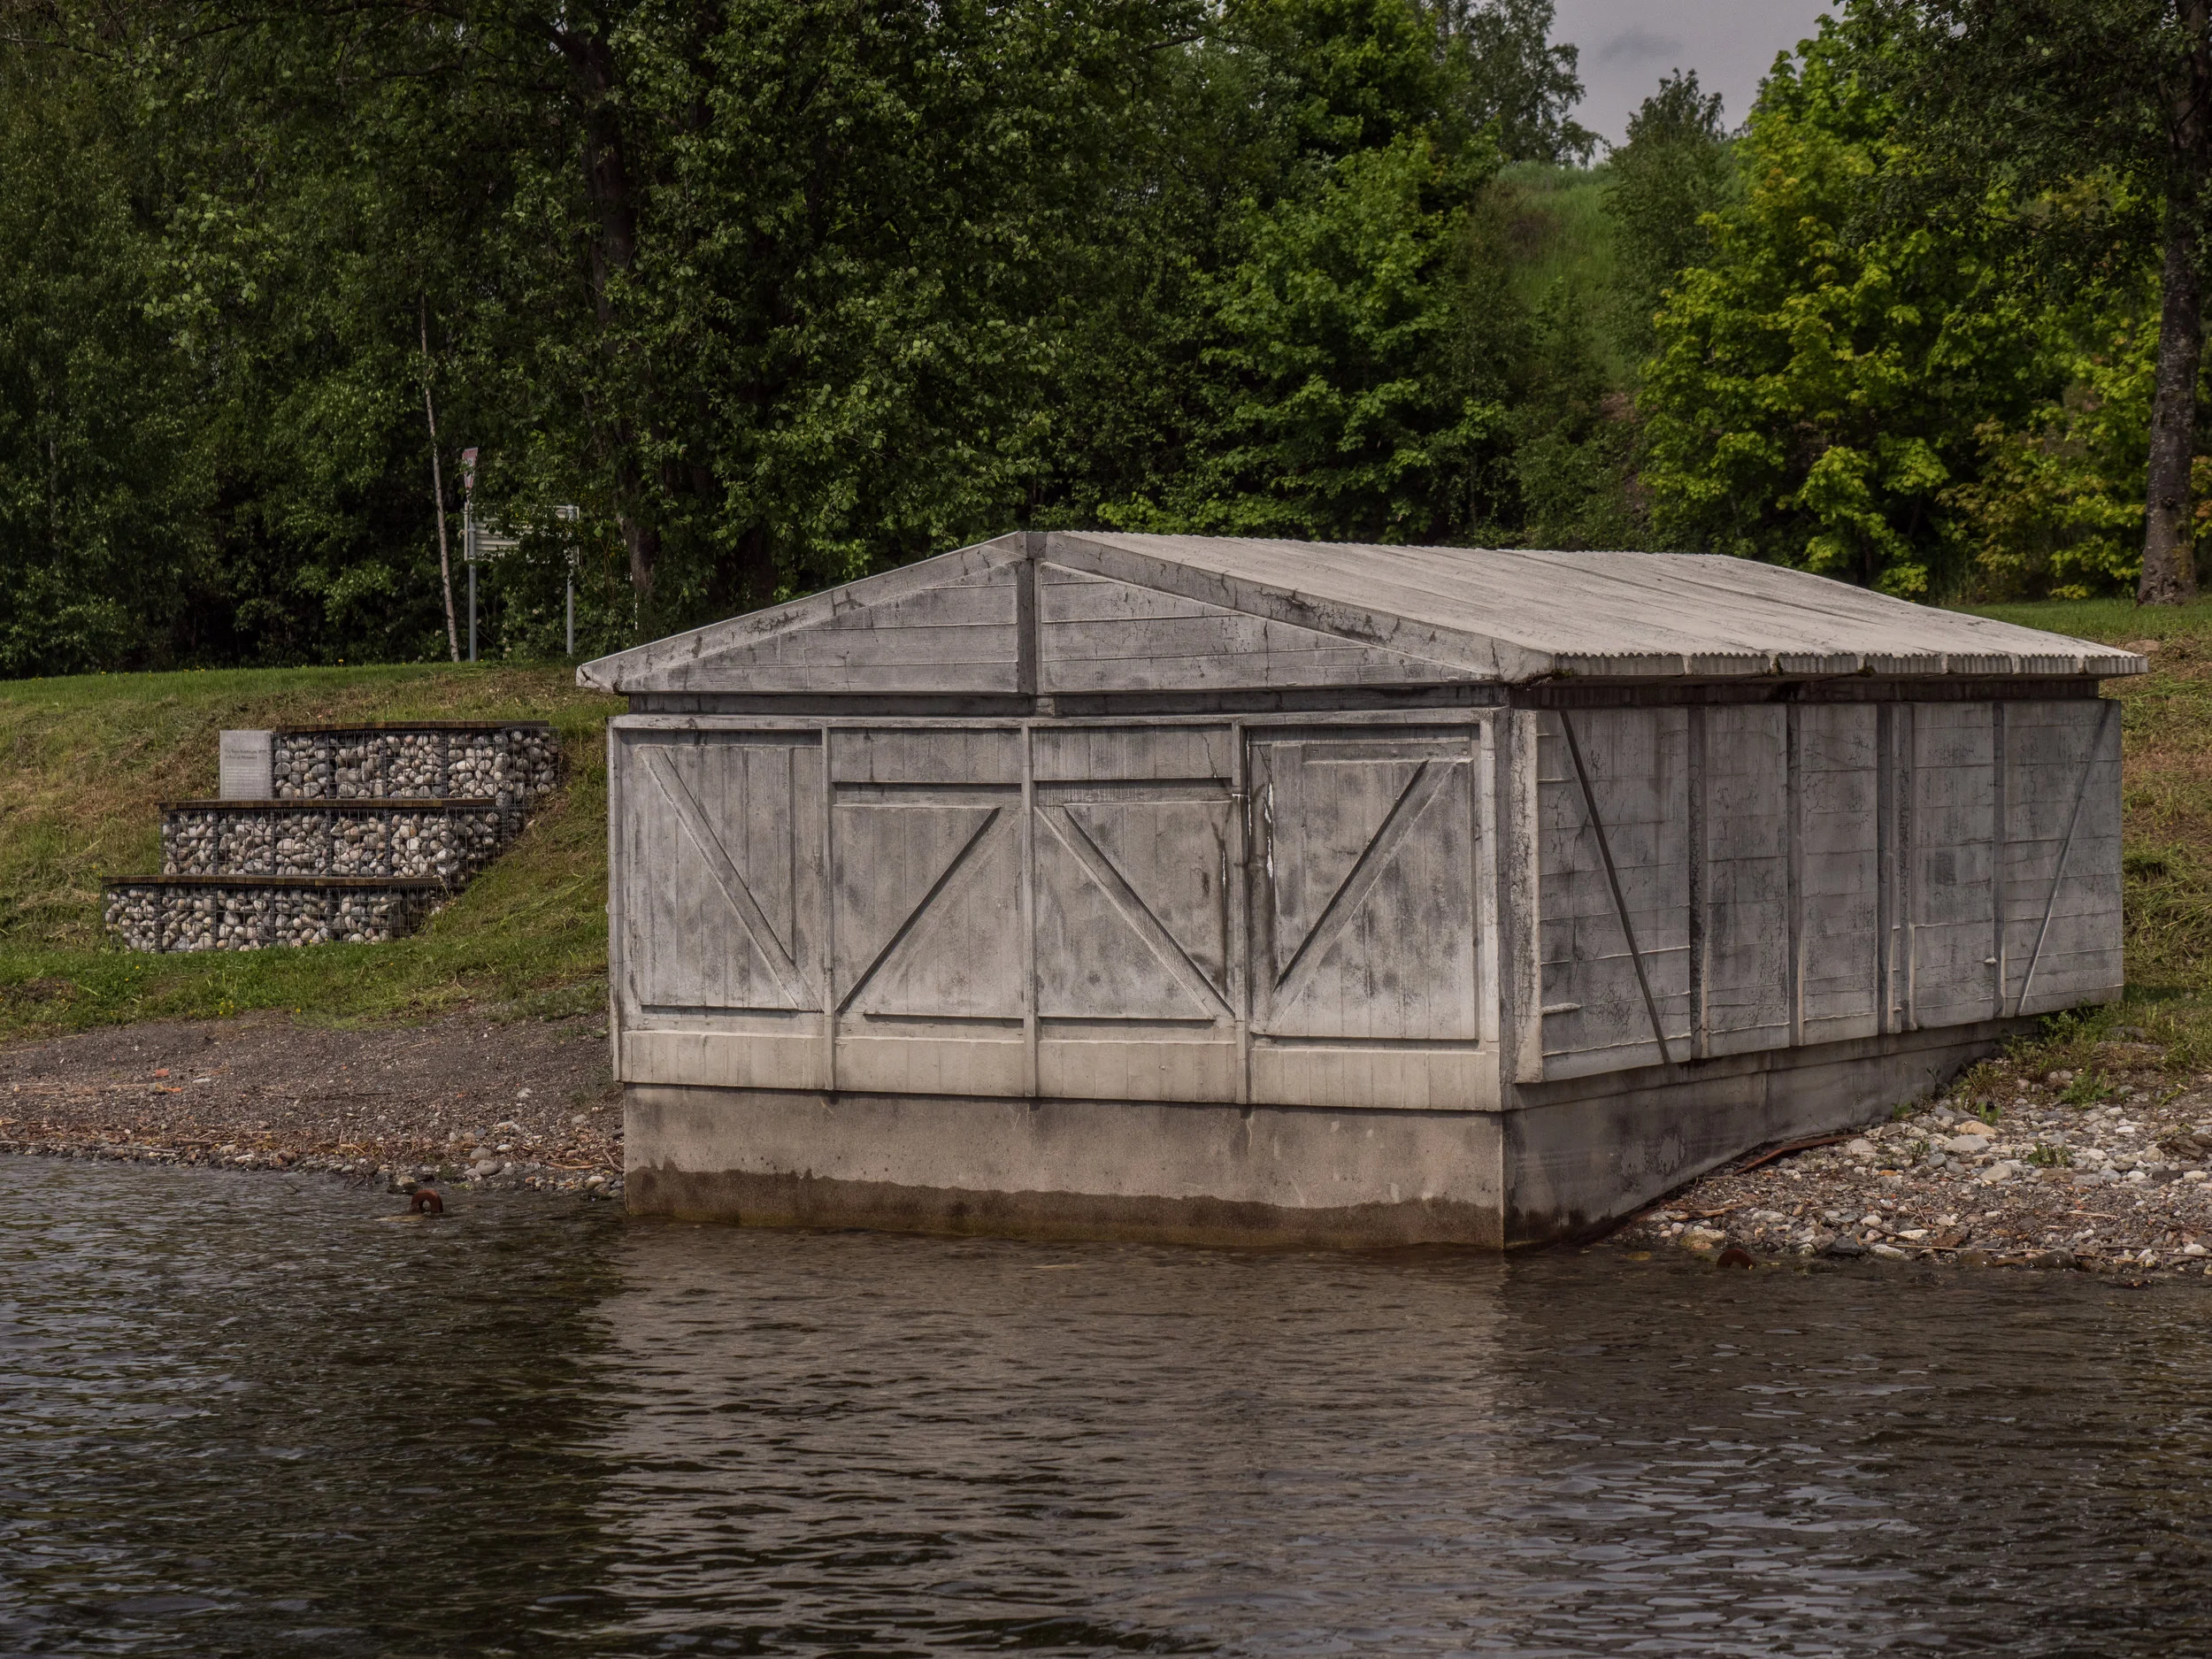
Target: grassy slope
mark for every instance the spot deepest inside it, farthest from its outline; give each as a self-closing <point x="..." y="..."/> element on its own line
<point x="1562" y="252"/>
<point x="82" y="762"/>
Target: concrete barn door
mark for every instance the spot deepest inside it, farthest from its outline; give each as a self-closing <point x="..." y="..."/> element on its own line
<point x="1135" y="958"/>
<point x="1729" y="879"/>
<point x="928" y="910"/>
<point x="1367" y="976"/>
<point x="2007" y="815"/>
<point x="719" y="893"/>
<point x="723" y="874"/>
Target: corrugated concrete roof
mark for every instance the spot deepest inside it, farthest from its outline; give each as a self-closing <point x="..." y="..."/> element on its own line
<point x="1637" y="613"/>
<point x="1453" y="613"/>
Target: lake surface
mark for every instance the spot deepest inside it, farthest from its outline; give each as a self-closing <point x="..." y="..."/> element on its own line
<point x="252" y="1414"/>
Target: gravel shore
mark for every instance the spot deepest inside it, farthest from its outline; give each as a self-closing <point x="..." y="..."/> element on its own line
<point x="2107" y="1165"/>
<point x="522" y="1105"/>
<point x="2104" y="1165"/>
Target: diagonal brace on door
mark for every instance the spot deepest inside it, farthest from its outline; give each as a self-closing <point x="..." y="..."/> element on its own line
<point x="1613" y="881"/>
<point x="1424" y="786"/>
<point x="913" y="918"/>
<point x="1061" y="820"/>
<point x="693" y="817"/>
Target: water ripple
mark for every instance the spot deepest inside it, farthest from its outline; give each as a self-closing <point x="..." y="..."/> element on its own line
<point x="245" y="1415"/>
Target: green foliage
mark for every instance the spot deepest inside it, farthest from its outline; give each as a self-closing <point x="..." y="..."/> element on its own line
<point x="2057" y="505"/>
<point x="2088" y="1089"/>
<point x="1336" y="412"/>
<point x="1522" y="85"/>
<point x="841" y="333"/>
<point x="1675" y="171"/>
<point x="1573" y="455"/>
<point x="2070" y="134"/>
<point x="778" y="293"/>
<point x="1819" y="385"/>
<point x="97" y="471"/>
<point x="2064" y="106"/>
<point x="1540" y="270"/>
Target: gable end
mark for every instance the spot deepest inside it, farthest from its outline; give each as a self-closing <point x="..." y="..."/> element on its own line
<point x="1096" y="633"/>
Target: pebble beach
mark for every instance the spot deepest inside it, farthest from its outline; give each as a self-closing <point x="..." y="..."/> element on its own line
<point x="517" y="1105"/>
<point x="2101" y="1165"/>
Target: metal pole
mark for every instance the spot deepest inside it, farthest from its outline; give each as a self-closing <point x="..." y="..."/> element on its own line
<point x="572" y="607"/>
<point x="472" y="610"/>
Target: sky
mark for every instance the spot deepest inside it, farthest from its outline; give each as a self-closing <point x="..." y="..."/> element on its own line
<point x="1628" y="44"/>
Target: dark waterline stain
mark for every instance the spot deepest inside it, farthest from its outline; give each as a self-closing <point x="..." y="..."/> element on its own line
<point x="249" y="1415"/>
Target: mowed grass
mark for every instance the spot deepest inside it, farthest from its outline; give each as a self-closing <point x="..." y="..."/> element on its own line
<point x="83" y="762"/>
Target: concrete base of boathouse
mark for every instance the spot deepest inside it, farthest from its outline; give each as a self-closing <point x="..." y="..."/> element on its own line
<point x="1582" y="1155"/>
<point x="1162" y="1172"/>
<point x="1565" y="1161"/>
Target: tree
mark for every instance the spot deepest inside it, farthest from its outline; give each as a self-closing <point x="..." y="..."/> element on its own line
<point x="1333" y="360"/>
<point x="2035" y="96"/>
<point x="1336" y="412"/>
<point x="2056" y="506"/>
<point x="778" y="291"/>
<point x="101" y="482"/>
<point x="1519" y="84"/>
<point x="1819" y="382"/>
<point x="1674" y="169"/>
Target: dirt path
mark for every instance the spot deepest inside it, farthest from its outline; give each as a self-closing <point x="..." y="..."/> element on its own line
<point x="522" y="1104"/>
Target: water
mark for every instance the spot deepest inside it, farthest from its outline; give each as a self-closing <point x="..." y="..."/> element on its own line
<point x="246" y="1414"/>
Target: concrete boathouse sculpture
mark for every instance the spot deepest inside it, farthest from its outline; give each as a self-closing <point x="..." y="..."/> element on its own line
<point x="1221" y="890"/>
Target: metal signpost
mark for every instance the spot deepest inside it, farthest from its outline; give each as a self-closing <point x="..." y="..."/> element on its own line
<point x="481" y="541"/>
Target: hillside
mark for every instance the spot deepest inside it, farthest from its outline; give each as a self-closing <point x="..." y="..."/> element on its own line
<point x="86" y="759"/>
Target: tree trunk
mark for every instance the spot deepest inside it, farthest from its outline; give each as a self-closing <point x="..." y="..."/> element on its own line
<point x="613" y="251"/>
<point x="2170" y="562"/>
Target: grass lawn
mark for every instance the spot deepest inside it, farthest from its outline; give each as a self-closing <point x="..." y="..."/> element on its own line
<point x="83" y="761"/>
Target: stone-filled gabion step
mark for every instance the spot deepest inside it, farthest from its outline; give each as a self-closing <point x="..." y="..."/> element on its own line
<point x="356" y="833"/>
<point x="234" y="913"/>
<point x="510" y="762"/>
<point x="446" y="841"/>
